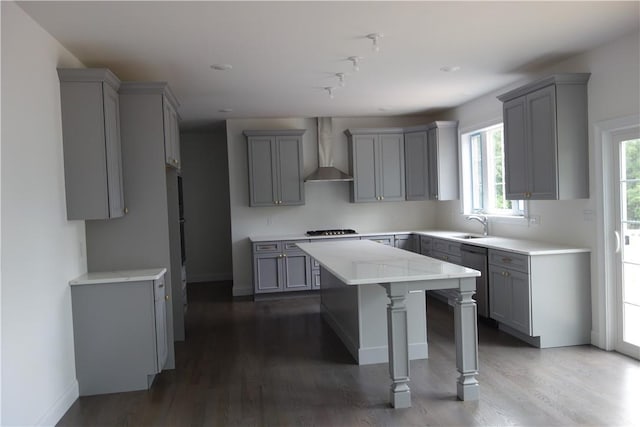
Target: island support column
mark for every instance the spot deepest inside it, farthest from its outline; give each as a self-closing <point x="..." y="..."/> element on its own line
<point x="398" y="344"/>
<point x="466" y="332"/>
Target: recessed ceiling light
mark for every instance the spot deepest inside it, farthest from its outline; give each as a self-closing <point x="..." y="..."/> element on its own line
<point x="225" y="110"/>
<point x="222" y="67"/>
<point x="450" y="68"/>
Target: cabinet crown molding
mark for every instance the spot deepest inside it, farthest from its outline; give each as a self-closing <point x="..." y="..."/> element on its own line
<point x="275" y="132"/>
<point x="89" y="75"/>
<point x="557" y="79"/>
<point x="160" y="88"/>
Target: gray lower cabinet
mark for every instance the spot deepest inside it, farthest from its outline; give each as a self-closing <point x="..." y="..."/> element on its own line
<point x="546" y="140"/>
<point x="91" y="137"/>
<point x="388" y="240"/>
<point x="171" y="131"/>
<point x="445" y="250"/>
<point x="409" y="242"/>
<point x="426" y="244"/>
<point x="544" y="300"/>
<point x="431" y="161"/>
<point x="120" y="333"/>
<point x="280" y="266"/>
<point x="376" y="162"/>
<point x="275" y="167"/>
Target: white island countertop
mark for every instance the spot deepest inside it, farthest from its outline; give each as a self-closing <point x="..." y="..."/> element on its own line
<point x="119" y="276"/>
<point x="361" y="262"/>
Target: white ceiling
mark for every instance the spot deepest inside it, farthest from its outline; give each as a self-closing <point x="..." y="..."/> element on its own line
<point x="284" y="53"/>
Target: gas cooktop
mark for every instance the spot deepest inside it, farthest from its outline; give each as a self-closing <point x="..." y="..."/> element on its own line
<point x="337" y="232"/>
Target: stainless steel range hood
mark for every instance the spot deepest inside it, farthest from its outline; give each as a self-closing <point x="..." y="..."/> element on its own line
<point x="326" y="171"/>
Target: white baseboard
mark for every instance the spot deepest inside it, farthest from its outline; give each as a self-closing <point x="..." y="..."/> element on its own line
<point x="208" y="277"/>
<point x="61" y="406"/>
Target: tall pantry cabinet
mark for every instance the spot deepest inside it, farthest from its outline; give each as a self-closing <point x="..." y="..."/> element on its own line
<point x="144" y="237"/>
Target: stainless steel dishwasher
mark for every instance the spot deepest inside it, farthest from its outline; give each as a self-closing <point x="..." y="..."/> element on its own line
<point x="476" y="257"/>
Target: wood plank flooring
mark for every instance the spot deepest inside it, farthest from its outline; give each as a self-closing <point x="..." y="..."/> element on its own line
<point x="275" y="363"/>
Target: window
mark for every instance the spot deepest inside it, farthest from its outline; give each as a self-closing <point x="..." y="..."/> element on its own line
<point x="483" y="174"/>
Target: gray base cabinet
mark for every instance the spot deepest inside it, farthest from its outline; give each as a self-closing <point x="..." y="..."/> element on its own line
<point x="545" y="299"/>
<point x="546" y="141"/>
<point x="376" y="162"/>
<point x="120" y="334"/>
<point x="280" y="267"/>
<point x="91" y="137"/>
<point x="275" y="167"/>
<point x="408" y="242"/>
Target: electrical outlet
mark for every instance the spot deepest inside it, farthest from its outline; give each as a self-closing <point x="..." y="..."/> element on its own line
<point x="534" y="219"/>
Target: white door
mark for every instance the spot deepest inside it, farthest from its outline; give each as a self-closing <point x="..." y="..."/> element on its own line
<point x="626" y="169"/>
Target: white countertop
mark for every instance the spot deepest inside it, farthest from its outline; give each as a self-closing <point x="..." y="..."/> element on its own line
<point x="360" y="262"/>
<point x="119" y="276"/>
<point x="522" y="246"/>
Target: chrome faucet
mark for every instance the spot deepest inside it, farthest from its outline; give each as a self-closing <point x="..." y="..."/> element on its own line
<point x="482" y="219"/>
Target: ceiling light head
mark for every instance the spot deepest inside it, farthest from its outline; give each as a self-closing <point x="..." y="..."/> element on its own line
<point x="341" y="79"/>
<point x="450" y="68"/>
<point x="356" y="62"/>
<point x="375" y="37"/>
<point x="330" y="90"/>
<point x="222" y="67"/>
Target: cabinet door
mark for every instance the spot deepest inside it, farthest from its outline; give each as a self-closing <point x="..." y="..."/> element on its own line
<point x="408" y="243"/>
<point x="297" y="274"/>
<point x="113" y="151"/>
<point x="160" y="306"/>
<point x="515" y="149"/>
<point x="391" y="167"/>
<point x="520" y="301"/>
<point x="500" y="295"/>
<point x="432" y="154"/>
<point x="268" y="273"/>
<point x="289" y="170"/>
<point x="365" y="173"/>
<point x="416" y="166"/>
<point x="171" y="135"/>
<point x="262" y="171"/>
<point x="542" y="144"/>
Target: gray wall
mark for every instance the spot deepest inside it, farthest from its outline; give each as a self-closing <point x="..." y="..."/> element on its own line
<point x="205" y="180"/>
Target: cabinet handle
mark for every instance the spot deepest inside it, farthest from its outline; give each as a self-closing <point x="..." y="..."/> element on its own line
<point x="166" y="297"/>
<point x="505" y="273"/>
<point x="381" y="197"/>
<point x="284" y="255"/>
<point x="161" y="285"/>
<point x="126" y="210"/>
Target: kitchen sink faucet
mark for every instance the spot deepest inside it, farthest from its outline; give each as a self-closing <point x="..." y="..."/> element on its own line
<point x="482" y="219"/>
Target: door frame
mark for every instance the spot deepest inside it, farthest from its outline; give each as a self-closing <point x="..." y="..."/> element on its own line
<point x="604" y="329"/>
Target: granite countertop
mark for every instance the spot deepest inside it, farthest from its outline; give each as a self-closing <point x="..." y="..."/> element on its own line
<point x="362" y="262"/>
<point x="521" y="246"/>
<point x="119" y="276"/>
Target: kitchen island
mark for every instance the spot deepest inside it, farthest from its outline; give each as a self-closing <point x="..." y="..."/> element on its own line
<point x="346" y="265"/>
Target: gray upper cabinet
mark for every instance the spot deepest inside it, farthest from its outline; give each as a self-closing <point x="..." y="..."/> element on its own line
<point x="431" y="161"/>
<point x="92" y="152"/>
<point x="275" y="167"/>
<point x="171" y="131"/>
<point x="376" y="161"/>
<point x="546" y="140"/>
<point x="416" y="165"/>
<point x="442" y="140"/>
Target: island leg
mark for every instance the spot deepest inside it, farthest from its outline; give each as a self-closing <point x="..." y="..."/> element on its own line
<point x="466" y="331"/>
<point x="398" y="343"/>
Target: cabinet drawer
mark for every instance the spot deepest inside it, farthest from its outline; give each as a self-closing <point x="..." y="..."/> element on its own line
<point x="385" y="240"/>
<point x="454" y="259"/>
<point x="451" y="248"/>
<point x="159" y="289"/>
<point x="267" y="247"/>
<point x="290" y="246"/>
<point x="510" y="260"/>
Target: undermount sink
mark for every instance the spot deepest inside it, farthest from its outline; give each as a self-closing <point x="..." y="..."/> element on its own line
<point x="470" y="236"/>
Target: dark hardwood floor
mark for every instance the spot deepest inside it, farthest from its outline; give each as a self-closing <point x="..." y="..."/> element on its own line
<point x="276" y="363"/>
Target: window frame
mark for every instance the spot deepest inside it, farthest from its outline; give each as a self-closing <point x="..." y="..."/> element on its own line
<point x="466" y="199"/>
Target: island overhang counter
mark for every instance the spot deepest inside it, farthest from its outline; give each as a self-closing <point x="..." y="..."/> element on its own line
<point x="363" y="263"/>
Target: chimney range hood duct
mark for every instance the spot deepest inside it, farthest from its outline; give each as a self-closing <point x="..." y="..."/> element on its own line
<point x="326" y="172"/>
